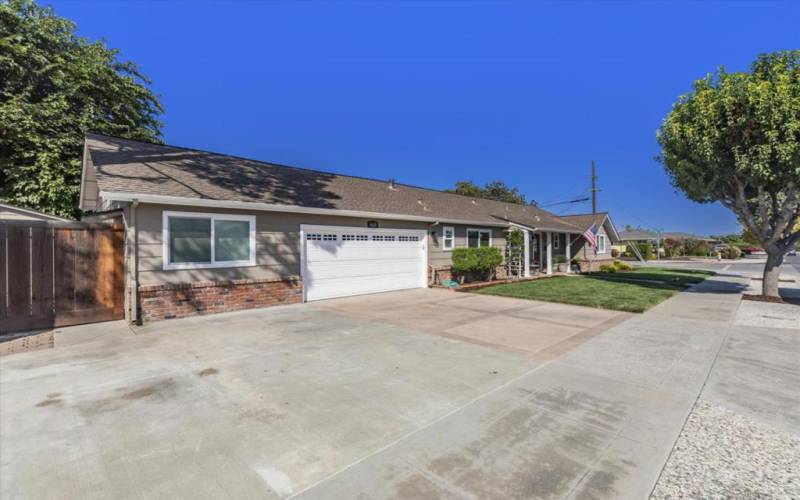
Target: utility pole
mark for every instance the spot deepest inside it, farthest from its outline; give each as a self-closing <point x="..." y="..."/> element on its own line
<point x="594" y="190"/>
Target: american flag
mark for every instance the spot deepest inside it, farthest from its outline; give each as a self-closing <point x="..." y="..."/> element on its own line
<point x="590" y="235"/>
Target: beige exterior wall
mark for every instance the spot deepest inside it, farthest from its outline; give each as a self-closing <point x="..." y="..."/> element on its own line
<point x="277" y="244"/>
<point x="438" y="257"/>
<point x="578" y="248"/>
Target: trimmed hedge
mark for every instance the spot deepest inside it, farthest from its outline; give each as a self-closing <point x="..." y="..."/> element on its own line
<point x="476" y="260"/>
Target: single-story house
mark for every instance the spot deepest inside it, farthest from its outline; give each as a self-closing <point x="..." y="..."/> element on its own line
<point x="208" y="232"/>
<point x="13" y="213"/>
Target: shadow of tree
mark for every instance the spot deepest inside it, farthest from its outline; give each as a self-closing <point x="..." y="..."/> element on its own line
<point x="200" y="174"/>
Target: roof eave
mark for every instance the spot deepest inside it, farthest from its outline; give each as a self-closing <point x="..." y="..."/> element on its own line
<point x="272" y="207"/>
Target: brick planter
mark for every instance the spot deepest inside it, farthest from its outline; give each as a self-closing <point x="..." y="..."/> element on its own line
<point x="168" y="301"/>
<point x="437" y="275"/>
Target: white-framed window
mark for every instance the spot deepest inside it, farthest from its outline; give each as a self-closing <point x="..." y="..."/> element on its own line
<point x="194" y="240"/>
<point x="448" y="238"/>
<point x="479" y="238"/>
<point x="556" y="241"/>
<point x="601" y="243"/>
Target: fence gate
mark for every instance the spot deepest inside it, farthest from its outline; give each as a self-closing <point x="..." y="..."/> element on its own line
<point x="55" y="275"/>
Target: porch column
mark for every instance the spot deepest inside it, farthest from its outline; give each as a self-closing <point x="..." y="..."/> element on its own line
<point x="540" y="242"/>
<point x="527" y="254"/>
<point x="567" y="237"/>
<point x="549" y="253"/>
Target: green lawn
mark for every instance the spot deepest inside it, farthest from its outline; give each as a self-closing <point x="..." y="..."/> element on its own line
<point x="633" y="291"/>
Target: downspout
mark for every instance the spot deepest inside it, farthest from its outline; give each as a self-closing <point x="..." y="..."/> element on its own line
<point x="135" y="316"/>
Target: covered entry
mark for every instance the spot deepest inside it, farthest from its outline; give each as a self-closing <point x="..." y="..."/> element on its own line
<point x="339" y="261"/>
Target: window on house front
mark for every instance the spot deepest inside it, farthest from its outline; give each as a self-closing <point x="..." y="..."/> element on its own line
<point x="479" y="238"/>
<point x="556" y="241"/>
<point x="448" y="238"/>
<point x="193" y="240"/>
<point x="601" y="243"/>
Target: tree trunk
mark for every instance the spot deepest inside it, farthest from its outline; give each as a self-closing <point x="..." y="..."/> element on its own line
<point x="772" y="271"/>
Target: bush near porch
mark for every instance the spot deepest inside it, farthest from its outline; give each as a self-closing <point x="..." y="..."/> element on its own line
<point x="633" y="291"/>
<point x="472" y="263"/>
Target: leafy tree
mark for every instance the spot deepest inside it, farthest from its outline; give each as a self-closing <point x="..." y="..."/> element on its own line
<point x="495" y="190"/>
<point x="55" y="86"/>
<point x="736" y="139"/>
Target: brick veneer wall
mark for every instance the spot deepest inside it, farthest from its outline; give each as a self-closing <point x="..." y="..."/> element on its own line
<point x="439" y="274"/>
<point x="168" y="301"/>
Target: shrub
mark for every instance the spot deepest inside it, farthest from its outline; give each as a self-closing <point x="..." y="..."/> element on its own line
<point x="621" y="266"/>
<point x="476" y="260"/>
<point x="696" y="247"/>
<point x="614" y="253"/>
<point x="607" y="268"/>
<point x="673" y="248"/>
<point x="731" y="253"/>
<point x="646" y="250"/>
<point x="559" y="259"/>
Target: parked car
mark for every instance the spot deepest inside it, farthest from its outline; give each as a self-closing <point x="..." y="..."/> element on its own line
<point x="792" y="253"/>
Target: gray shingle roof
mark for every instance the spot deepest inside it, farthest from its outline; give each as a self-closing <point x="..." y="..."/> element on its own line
<point x="144" y="168"/>
<point x="584" y="221"/>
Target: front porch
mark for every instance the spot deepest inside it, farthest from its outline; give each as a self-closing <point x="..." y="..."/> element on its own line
<point x="548" y="252"/>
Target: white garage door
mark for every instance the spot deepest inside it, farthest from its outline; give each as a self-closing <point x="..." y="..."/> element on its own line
<point x="341" y="261"/>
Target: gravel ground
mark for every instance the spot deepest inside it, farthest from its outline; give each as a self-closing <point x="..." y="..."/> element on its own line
<point x="721" y="454"/>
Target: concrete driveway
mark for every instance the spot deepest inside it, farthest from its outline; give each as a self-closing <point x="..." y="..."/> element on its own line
<point x="424" y="394"/>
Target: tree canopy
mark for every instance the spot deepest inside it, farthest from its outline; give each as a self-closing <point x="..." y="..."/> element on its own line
<point x="55" y="86"/>
<point x="495" y="190"/>
<point x="736" y="139"/>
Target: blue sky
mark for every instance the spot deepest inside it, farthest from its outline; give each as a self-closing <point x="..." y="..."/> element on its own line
<point x="432" y="93"/>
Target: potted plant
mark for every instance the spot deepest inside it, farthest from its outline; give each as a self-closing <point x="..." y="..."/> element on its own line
<point x="561" y="263"/>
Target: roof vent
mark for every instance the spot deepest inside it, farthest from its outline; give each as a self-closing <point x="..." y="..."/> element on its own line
<point x="474" y="201"/>
<point x="392" y="184"/>
<point x="420" y="201"/>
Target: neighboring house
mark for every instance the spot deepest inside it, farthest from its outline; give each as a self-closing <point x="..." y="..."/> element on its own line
<point x="209" y="232"/>
<point x="645" y="236"/>
<point x="607" y="236"/>
<point x="12" y="213"/>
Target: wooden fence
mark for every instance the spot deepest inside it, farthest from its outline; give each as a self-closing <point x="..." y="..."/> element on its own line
<point x="54" y="274"/>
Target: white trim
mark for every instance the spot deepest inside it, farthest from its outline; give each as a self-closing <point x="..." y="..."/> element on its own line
<point x="543" y="229"/>
<point x="165" y="250"/>
<point x="527" y="253"/>
<point x="271" y="207"/>
<point x="603" y="236"/>
<point x="568" y="253"/>
<point x="444" y="246"/>
<point x="549" y="252"/>
<point x="478" y="230"/>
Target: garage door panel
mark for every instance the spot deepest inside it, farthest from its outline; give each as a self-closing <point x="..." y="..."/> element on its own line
<point x="359" y="285"/>
<point x="343" y="261"/>
<point x="338" y="253"/>
<point x="355" y="268"/>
